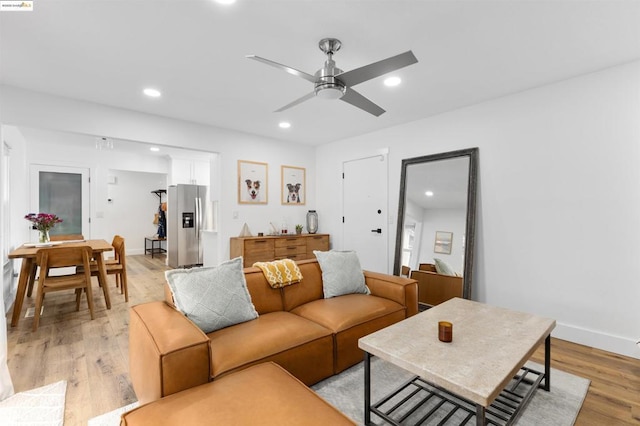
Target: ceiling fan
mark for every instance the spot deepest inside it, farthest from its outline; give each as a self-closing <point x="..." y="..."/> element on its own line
<point x="330" y="82"/>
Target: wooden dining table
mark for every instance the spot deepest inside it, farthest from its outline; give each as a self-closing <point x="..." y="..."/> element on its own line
<point x="27" y="252"/>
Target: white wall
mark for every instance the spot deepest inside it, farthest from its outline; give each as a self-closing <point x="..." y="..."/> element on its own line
<point x="6" y="385"/>
<point x="132" y="208"/>
<point x="55" y="114"/>
<point x="446" y="220"/>
<point x="558" y="203"/>
<point x="19" y="195"/>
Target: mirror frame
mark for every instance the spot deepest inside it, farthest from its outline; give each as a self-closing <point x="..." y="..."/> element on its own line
<point x="470" y="226"/>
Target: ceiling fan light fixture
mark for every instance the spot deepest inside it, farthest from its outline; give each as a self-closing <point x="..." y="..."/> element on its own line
<point x="330" y="88"/>
<point x="329" y="93"/>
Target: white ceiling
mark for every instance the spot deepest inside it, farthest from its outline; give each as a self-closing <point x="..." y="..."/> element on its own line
<point x="448" y="179"/>
<point x="107" y="51"/>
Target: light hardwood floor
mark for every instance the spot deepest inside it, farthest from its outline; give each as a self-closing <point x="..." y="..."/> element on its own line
<point x="93" y="355"/>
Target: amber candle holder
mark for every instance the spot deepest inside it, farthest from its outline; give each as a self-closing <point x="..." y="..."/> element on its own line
<point x="445" y="331"/>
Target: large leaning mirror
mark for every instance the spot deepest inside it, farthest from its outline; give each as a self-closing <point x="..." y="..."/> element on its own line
<point x="436" y="224"/>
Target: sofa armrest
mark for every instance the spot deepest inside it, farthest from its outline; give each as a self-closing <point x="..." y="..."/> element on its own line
<point x="167" y="352"/>
<point x="399" y="289"/>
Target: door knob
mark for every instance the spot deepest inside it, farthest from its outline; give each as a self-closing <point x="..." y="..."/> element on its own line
<point x="379" y="230"/>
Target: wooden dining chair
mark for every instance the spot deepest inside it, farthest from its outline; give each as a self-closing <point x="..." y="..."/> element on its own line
<point x="116" y="266"/>
<point x="60" y="237"/>
<point x="62" y="257"/>
<point x="405" y="271"/>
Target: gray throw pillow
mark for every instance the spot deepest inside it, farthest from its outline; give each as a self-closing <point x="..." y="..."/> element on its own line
<point x="443" y="268"/>
<point x="341" y="273"/>
<point x="212" y="297"/>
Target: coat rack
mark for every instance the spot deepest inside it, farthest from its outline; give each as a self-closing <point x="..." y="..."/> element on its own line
<point x="162" y="218"/>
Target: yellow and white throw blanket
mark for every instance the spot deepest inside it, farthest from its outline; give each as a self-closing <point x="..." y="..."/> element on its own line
<point x="280" y="273"/>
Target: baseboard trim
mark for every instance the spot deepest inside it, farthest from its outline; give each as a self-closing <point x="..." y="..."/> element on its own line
<point x="607" y="342"/>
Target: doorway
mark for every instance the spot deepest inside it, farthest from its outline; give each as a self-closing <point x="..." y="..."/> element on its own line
<point x="365" y="215"/>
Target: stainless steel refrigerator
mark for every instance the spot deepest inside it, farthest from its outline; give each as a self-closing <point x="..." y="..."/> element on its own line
<point x="186" y="215"/>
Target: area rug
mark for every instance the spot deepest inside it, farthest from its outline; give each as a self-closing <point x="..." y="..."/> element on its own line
<point x="559" y="407"/>
<point x="43" y="406"/>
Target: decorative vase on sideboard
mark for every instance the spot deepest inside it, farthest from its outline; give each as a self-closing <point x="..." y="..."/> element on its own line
<point x="312" y="222"/>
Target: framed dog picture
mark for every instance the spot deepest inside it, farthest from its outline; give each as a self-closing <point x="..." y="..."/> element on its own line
<point x="294" y="188"/>
<point x="252" y="182"/>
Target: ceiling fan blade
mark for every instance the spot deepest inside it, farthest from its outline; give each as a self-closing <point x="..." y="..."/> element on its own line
<point x="286" y="68"/>
<point x="297" y="101"/>
<point x="376" y="69"/>
<point x="356" y="99"/>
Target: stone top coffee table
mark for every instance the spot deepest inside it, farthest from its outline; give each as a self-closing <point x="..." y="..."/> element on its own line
<point x="480" y="372"/>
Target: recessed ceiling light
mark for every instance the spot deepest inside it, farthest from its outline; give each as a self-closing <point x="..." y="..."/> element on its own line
<point x="152" y="93"/>
<point x="225" y="1"/>
<point x="392" y="81"/>
<point x="429" y="193"/>
<point x="154" y="149"/>
<point x="284" y="124"/>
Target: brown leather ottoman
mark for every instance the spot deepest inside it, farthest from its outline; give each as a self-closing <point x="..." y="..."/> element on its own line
<point x="263" y="394"/>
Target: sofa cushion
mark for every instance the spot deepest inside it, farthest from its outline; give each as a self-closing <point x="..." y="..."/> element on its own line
<point x="303" y="347"/>
<point x="307" y="290"/>
<point x="212" y="297"/>
<point x="351" y="317"/>
<point x="339" y="313"/>
<point x="265" y="298"/>
<point x="341" y="273"/>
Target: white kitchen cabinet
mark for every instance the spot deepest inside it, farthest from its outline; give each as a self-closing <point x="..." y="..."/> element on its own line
<point x="190" y="171"/>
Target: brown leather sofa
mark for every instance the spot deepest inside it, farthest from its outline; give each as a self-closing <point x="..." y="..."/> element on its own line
<point x="435" y="288"/>
<point x="311" y="337"/>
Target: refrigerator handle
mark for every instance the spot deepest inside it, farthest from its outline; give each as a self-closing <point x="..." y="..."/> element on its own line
<point x="198" y="217"/>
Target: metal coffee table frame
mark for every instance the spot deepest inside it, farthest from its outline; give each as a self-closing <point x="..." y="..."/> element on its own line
<point x="504" y="410"/>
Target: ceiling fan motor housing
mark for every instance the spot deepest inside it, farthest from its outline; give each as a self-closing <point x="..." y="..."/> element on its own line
<point x="327" y="86"/>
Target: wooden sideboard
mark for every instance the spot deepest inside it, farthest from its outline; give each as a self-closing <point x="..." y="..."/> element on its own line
<point x="265" y="249"/>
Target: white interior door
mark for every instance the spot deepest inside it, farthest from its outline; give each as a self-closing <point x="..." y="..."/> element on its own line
<point x="365" y="216"/>
<point x="63" y="191"/>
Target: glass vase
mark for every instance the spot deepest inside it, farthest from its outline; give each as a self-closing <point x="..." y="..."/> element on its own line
<point x="43" y="236"/>
<point x="312" y="222"/>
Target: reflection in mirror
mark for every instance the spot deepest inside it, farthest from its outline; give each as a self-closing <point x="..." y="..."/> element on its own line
<point x="436" y="224"/>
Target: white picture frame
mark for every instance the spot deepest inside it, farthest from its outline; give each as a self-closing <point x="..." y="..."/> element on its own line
<point x="253" y="182"/>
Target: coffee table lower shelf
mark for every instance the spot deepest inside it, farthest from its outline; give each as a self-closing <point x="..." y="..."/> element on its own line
<point x="418" y="402"/>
